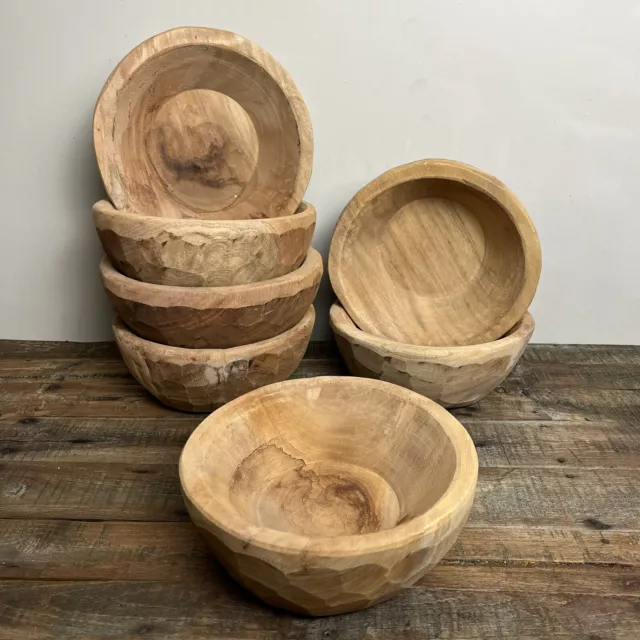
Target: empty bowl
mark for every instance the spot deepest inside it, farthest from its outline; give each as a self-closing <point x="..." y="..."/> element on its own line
<point x="204" y="253"/>
<point x="325" y="495"/>
<point x="213" y="317"/>
<point x="203" y="123"/>
<point x="452" y="376"/>
<point x="435" y="253"/>
<point x="203" y="379"/>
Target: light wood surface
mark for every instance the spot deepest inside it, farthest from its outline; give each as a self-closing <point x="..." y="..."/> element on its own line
<point x="203" y="123"/>
<point x="435" y="253"/>
<point x="96" y="541"/>
<point x="213" y="317"/>
<point x="204" y="253"/>
<point x="327" y="495"/>
<point x="203" y="379"/>
<point x="452" y="376"/>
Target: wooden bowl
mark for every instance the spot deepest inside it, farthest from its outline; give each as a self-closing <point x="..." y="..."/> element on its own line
<point x="452" y="376"/>
<point x="203" y="379"/>
<point x="203" y="123"/>
<point x="213" y="317"/>
<point x="326" y="495"/>
<point x="204" y="253"/>
<point x="435" y="253"/>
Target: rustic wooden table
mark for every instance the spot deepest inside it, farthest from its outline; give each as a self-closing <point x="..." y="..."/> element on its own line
<point x="95" y="541"/>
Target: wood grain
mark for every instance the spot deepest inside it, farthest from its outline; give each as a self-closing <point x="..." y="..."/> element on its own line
<point x="204" y="253"/>
<point x="451" y="376"/>
<point x="338" y="515"/>
<point x="213" y="317"/>
<point x="95" y="540"/>
<point x="435" y="253"/>
<point x="31" y="610"/>
<point x="582" y="355"/>
<point x="203" y="379"/>
<point x="51" y="398"/>
<point x="590" y="499"/>
<point x="175" y="552"/>
<point x="203" y="123"/>
<point x="564" y="445"/>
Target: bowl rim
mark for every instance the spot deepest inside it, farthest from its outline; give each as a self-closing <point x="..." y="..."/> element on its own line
<point x="438" y="169"/>
<point x="342" y="323"/>
<point x="308" y="274"/>
<point x="457" y="496"/>
<point x="122" y="332"/>
<point x="175" y="39"/>
<point x="305" y="215"/>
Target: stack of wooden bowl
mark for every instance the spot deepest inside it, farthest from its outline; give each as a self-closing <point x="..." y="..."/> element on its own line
<point x="435" y="264"/>
<point x="205" y="149"/>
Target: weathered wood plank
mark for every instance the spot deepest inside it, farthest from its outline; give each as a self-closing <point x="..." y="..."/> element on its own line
<point x="51" y="350"/>
<point x="107" y="431"/>
<point x="79" y="550"/>
<point x="104" y="397"/>
<point x="556" y="444"/>
<point x="527" y="374"/>
<point x="606" y="498"/>
<point x="112" y="396"/>
<point x="63" y="368"/>
<point x="596" y="366"/>
<point x="500" y="444"/>
<point x="87" y="397"/>
<point x="88" y="453"/>
<point x="90" y="491"/>
<point x="541" y="375"/>
<point x="582" y="353"/>
<point x="173" y="552"/>
<point x="567" y="353"/>
<point x="103" y="369"/>
<point x="555" y="404"/>
<point x="547" y="545"/>
<point x="592" y="579"/>
<point x="596" y="499"/>
<point x="123" y="388"/>
<point x="221" y="610"/>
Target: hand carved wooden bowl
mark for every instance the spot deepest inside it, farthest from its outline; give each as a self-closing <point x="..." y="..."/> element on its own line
<point x="435" y="253"/>
<point x="326" y="495"/>
<point x="203" y="123"/>
<point x="204" y="253"/>
<point x="204" y="379"/>
<point x="213" y="317"/>
<point x="452" y="376"/>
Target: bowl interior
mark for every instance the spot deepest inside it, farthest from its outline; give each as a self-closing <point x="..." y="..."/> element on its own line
<point x="321" y="458"/>
<point x="209" y="129"/>
<point x="447" y="260"/>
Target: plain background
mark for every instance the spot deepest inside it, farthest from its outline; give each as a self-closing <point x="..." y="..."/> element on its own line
<point x="543" y="94"/>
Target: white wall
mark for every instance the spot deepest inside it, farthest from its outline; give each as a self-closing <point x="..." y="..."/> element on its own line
<point x="545" y="94"/>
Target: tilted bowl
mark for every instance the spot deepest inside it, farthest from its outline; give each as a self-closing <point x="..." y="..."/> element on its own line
<point x="203" y="379"/>
<point x="452" y="376"/>
<point x="203" y="253"/>
<point x="203" y="123"/>
<point x="435" y="253"/>
<point x="326" y="495"/>
<point x="213" y="317"/>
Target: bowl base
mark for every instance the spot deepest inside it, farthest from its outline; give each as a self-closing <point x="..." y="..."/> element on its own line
<point x="312" y="498"/>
